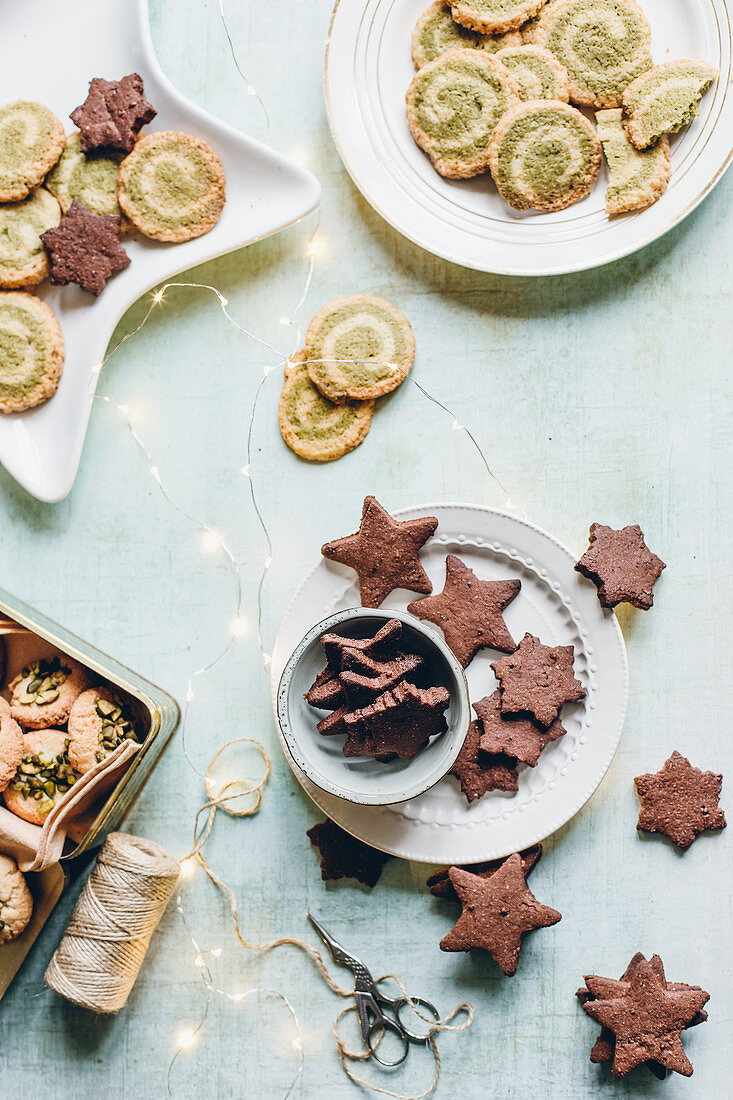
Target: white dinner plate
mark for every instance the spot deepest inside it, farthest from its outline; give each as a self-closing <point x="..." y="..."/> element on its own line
<point x="368" y="69"/>
<point x="556" y="604"/>
<point x="50" y="52"/>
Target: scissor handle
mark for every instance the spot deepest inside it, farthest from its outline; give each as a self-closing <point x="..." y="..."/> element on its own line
<point x="378" y="1028"/>
<point x="400" y="1003"/>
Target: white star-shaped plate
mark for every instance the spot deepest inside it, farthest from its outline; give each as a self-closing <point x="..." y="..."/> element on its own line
<point x="46" y="57"/>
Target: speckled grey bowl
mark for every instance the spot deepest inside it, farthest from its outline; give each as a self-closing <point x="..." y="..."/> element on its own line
<point x="361" y="779"/>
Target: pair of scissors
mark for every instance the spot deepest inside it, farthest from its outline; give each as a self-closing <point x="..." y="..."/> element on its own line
<point x="371" y="1002"/>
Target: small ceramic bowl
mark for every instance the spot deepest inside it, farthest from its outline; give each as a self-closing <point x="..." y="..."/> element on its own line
<point x="361" y="779"/>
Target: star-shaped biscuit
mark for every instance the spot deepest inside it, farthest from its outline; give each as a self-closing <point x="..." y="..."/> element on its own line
<point x="647" y="1019"/>
<point x="344" y="856"/>
<point x="516" y="736"/>
<point x="621" y="565"/>
<point x="440" y="885"/>
<point x="384" y="553"/>
<point x="84" y="248"/>
<point x="398" y="722"/>
<point x="380" y="645"/>
<point x="469" y="611"/>
<point x="537" y="679"/>
<point x="680" y="801"/>
<point x="113" y="114"/>
<point x="497" y="912"/>
<point x="479" y="772"/>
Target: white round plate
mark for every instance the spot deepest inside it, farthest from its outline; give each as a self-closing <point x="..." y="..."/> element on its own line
<point x="557" y="605"/>
<point x="368" y="69"/>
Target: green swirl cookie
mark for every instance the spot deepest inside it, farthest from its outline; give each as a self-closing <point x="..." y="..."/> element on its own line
<point x="358" y="348"/>
<point x="494" y="16"/>
<point x="544" y="155"/>
<point x="31" y="352"/>
<point x="91" y="179"/>
<point x="31" y="140"/>
<point x="453" y="104"/>
<point x="538" y="74"/>
<point x="636" y="177"/>
<point x="528" y="30"/>
<point x="664" y="99"/>
<point x="313" y="426"/>
<point x="603" y="44"/>
<point x="171" y="186"/>
<point x="23" y="259"/>
<point x="437" y="31"/>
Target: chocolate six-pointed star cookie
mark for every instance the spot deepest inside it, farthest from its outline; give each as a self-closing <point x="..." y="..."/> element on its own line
<point x="440" y="885"/>
<point x="621" y="566"/>
<point x="537" y="679"/>
<point x="113" y="114"/>
<point x="344" y="856"/>
<point x="398" y="722"/>
<point x="84" y="248"/>
<point x="516" y="735"/>
<point x="680" y="801"/>
<point x="479" y="773"/>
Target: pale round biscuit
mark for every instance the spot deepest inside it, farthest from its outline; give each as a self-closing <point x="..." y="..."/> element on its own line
<point x="311" y="425"/>
<point x="42" y="694"/>
<point x="11" y="746"/>
<point x="172" y="186"/>
<point x="453" y="104"/>
<point x="23" y="259"/>
<point x="437" y="31"/>
<point x="544" y="155"/>
<point x="43" y="777"/>
<point x="16" y="902"/>
<point x="99" y="721"/>
<point x="31" y="351"/>
<point x="90" y="179"/>
<point x="603" y="45"/>
<point x="538" y="74"/>
<point x="664" y="99"/>
<point x="31" y="140"/>
<point x="494" y="16"/>
<point x="636" y="177"/>
<point x="358" y="348"/>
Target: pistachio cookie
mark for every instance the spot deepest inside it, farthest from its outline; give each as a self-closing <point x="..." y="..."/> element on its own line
<point x="313" y="426"/>
<point x="437" y="31"/>
<point x="31" y="352"/>
<point x="11" y="746"/>
<point x="31" y="140"/>
<point x="664" y="99"/>
<point x="44" y="692"/>
<point x="544" y="155"/>
<point x="603" y="44"/>
<point x="88" y="179"/>
<point x="99" y="722"/>
<point x="172" y="186"/>
<point x="43" y="777"/>
<point x="538" y="74"/>
<point x="23" y="259"/>
<point x="358" y="348"/>
<point x="453" y="104"/>
<point x="16" y="903"/>
<point x="494" y="16"/>
<point x="636" y="177"/>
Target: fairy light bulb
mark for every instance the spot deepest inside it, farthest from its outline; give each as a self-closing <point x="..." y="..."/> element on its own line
<point x="185" y="1038"/>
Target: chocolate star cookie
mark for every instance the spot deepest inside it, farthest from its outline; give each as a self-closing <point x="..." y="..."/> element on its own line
<point x="362" y="689"/>
<point x="85" y="249"/>
<point x="113" y="114"/>
<point x="398" y="722"/>
<point x="344" y="856"/>
<point x="381" y="644"/>
<point x="440" y="885"/>
<point x="621" y="566"/>
<point x="537" y="679"/>
<point x="515" y="736"/>
<point x="469" y="611"/>
<point x="384" y="553"/>
<point x="326" y="691"/>
<point x="497" y="912"/>
<point x="479" y="773"/>
<point x="680" y="801"/>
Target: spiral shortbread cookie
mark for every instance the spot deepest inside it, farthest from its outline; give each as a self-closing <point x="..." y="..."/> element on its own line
<point x="538" y="74"/>
<point x="43" y="777"/>
<point x="31" y="140"/>
<point x="31" y="352"/>
<point x="664" y="99"/>
<point x="494" y="16"/>
<point x="171" y="186"/>
<point x="636" y="177"/>
<point x="528" y="30"/>
<point x="437" y="31"/>
<point x="23" y="259"/>
<point x="311" y="425"/>
<point x="544" y="155"/>
<point x="453" y="104"/>
<point x="603" y="44"/>
<point x="16" y="902"/>
<point x="88" y="179"/>
<point x="358" y="348"/>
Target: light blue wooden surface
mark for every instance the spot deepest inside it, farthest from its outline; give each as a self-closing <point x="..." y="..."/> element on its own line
<point x="600" y="396"/>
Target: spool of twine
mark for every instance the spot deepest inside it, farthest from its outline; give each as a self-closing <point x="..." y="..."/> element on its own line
<point x="104" y="944"/>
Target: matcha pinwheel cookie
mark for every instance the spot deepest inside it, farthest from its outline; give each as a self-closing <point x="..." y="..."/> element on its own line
<point x="44" y="692"/>
<point x="31" y="140"/>
<point x="88" y="179"/>
<point x="544" y="155"/>
<point x="664" y="99"/>
<point x="538" y="74"/>
<point x="99" y="721"/>
<point x="23" y="259"/>
<point x="43" y="777"/>
<point x="16" y="903"/>
<point x="636" y="177"/>
<point x="11" y="746"/>
<point x="453" y="104"/>
<point x="171" y="186"/>
<point x="494" y="16"/>
<point x="31" y="352"/>
<point x="311" y="425"/>
<point x="437" y="31"/>
<point x="603" y="44"/>
<point x="358" y="348"/>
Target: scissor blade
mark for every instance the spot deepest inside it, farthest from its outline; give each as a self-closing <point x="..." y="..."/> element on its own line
<point x="339" y="954"/>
